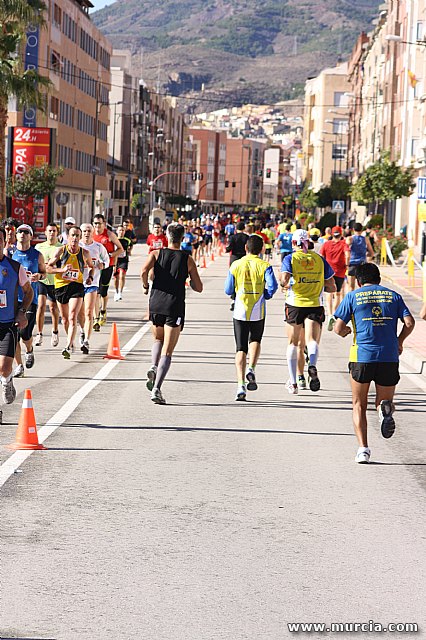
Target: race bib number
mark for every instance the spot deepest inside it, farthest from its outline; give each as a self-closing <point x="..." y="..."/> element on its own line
<point x="71" y="274"/>
<point x="3" y="299"/>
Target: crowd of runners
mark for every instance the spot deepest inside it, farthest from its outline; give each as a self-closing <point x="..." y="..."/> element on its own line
<point x="327" y="278"/>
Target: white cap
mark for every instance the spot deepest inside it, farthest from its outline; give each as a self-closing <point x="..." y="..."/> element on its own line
<point x="26" y="227"/>
<point x="69" y="220"/>
<point x="300" y="236"/>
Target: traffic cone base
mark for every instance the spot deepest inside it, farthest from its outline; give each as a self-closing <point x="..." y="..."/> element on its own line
<point x="114" y="352"/>
<point x="26" y="433"/>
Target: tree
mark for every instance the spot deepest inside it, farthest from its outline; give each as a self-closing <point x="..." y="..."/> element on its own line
<point x="26" y="85"/>
<point x="308" y="198"/>
<point x="35" y="184"/>
<point x="338" y="189"/>
<point x="383" y="181"/>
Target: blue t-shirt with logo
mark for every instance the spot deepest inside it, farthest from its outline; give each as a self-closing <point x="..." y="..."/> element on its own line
<point x="285" y="239"/>
<point x="188" y="239"/>
<point x="374" y="311"/>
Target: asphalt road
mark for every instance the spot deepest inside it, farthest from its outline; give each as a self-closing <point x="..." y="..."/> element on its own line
<point x="207" y="519"/>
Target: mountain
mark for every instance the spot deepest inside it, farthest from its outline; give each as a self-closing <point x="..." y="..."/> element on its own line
<point x="224" y="52"/>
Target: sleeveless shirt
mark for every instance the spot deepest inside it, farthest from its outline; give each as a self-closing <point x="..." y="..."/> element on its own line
<point x="168" y="289"/>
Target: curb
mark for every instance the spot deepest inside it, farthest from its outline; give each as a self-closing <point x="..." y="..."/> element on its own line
<point x="401" y="286"/>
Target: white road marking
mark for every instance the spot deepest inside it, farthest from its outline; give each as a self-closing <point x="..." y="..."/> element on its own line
<point x="12" y="464"/>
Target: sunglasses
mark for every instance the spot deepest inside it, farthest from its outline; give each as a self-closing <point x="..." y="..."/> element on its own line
<point x="24" y="231"/>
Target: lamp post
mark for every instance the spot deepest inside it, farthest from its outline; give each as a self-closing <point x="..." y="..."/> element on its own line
<point x="113" y="155"/>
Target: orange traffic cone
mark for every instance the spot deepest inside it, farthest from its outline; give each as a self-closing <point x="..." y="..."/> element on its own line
<point x="220" y="250"/>
<point x="114" y="352"/>
<point x="212" y="256"/>
<point x="26" y="433"/>
<point x="204" y="265"/>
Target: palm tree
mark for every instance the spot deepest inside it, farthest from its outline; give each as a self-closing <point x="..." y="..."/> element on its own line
<point x="27" y="86"/>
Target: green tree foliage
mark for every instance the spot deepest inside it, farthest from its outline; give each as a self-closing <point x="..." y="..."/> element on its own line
<point x="308" y="198"/>
<point x="338" y="189"/>
<point x="34" y="184"/>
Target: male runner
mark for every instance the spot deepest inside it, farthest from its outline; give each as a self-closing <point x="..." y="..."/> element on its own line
<point x="237" y="248"/>
<point x="33" y="263"/>
<point x="359" y="247"/>
<point x="68" y="223"/>
<point x="336" y="252"/>
<point x="13" y="315"/>
<point x="156" y="239"/>
<point x="305" y="274"/>
<point x="100" y="259"/>
<point x="252" y="281"/>
<point x="122" y="263"/>
<point x="46" y="288"/>
<point x="130" y="234"/>
<point x="114" y="248"/>
<point x="68" y="265"/>
<point x="284" y="241"/>
<point x="374" y="357"/>
<point x="10" y="228"/>
<point x="167" y="303"/>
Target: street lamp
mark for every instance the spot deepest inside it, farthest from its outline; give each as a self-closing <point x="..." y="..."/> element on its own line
<point x="113" y="155"/>
<point x="95" y="168"/>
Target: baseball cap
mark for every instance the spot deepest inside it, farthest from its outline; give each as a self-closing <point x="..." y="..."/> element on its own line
<point x="25" y="227"/>
<point x="299" y="236"/>
<point x="337" y="231"/>
<point x="314" y="232"/>
<point x="69" y="220"/>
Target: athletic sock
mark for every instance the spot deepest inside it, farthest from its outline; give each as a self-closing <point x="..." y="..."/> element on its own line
<point x="156" y="353"/>
<point x="292" y="362"/>
<point x="252" y="368"/>
<point x="241" y="384"/>
<point x="162" y="370"/>
<point x="313" y="352"/>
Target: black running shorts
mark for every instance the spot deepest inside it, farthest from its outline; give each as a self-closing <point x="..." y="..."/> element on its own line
<point x="339" y="283"/>
<point x="159" y="320"/>
<point x="105" y="279"/>
<point x="352" y="268"/>
<point x="122" y="265"/>
<point x="385" y="374"/>
<point x="246" y="331"/>
<point x="8" y="339"/>
<point x="27" y="333"/>
<point x="47" y="290"/>
<point x="298" y="315"/>
<point x="71" y="290"/>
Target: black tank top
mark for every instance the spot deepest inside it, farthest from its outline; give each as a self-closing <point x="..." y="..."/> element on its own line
<point x="168" y="289"/>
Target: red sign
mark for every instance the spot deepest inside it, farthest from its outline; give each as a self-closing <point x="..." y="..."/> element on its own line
<point x="31" y="148"/>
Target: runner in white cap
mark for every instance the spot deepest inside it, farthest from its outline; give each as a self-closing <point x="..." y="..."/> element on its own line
<point x="68" y="222"/>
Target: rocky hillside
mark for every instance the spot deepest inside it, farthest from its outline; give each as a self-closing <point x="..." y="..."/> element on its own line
<point x="222" y="52"/>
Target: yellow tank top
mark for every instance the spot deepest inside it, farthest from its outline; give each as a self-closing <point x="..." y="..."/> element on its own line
<point x="74" y="272"/>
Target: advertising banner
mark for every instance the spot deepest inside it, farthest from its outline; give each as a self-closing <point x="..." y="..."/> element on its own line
<point x="31" y="147"/>
<point x="31" y="63"/>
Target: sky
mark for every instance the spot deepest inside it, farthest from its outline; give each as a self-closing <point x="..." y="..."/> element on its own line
<point x="99" y="4"/>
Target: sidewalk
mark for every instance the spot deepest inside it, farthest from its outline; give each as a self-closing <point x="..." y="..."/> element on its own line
<point x="415" y="346"/>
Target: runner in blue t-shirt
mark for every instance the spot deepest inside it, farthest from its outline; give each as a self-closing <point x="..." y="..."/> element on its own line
<point x="374" y="357"/>
<point x="284" y="242"/>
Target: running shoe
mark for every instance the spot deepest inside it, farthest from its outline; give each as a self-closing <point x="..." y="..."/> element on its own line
<point x="301" y="383"/>
<point x="85" y="347"/>
<point x="314" y="383"/>
<point x="363" y="455"/>
<point x="386" y="421"/>
<point x="66" y="353"/>
<point x="38" y="340"/>
<point x="55" y="339"/>
<point x="102" y="318"/>
<point x="292" y="388"/>
<point x="331" y="323"/>
<point x="157" y="397"/>
<point x="151" y="374"/>
<point x="8" y="390"/>
<point x="29" y="359"/>
<point x="82" y="338"/>
<point x="241" y="394"/>
<point x="116" y="296"/>
<point x="120" y="296"/>
<point x="232" y="307"/>
<point x="19" y="371"/>
<point x="251" y="380"/>
<point x="96" y="325"/>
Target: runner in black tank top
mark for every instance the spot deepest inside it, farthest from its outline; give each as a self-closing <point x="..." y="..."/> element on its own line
<point x="167" y="303"/>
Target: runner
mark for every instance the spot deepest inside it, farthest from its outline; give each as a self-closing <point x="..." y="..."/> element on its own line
<point x="336" y="252"/>
<point x="100" y="259"/>
<point x="237" y="248"/>
<point x="122" y="263"/>
<point x="130" y="234"/>
<point x="68" y="222"/>
<point x="114" y="248"/>
<point x="33" y="263"/>
<point x="167" y="304"/>
<point x="13" y="316"/>
<point x="269" y="232"/>
<point x="374" y="357"/>
<point x="156" y="239"/>
<point x="10" y="228"/>
<point x="68" y="265"/>
<point x="252" y="282"/>
<point x="359" y="247"/>
<point x="305" y="274"/>
<point x="208" y="236"/>
<point x="284" y="242"/>
<point x="46" y="288"/>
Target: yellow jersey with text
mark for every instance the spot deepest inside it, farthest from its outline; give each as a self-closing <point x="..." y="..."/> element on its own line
<point x="309" y="271"/>
<point x="75" y="268"/>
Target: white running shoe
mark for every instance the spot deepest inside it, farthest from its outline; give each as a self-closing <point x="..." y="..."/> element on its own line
<point x="157" y="397"/>
<point x="19" y="371"/>
<point x="55" y="339"/>
<point x="241" y="394"/>
<point x="8" y="390"/>
<point x="331" y="323"/>
<point x="120" y="295"/>
<point x="292" y="388"/>
<point x="151" y="374"/>
<point x="82" y="338"/>
<point x="116" y="296"/>
<point x="38" y="340"/>
<point x="363" y="455"/>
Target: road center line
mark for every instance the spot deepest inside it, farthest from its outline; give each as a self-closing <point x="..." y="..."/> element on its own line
<point x="9" y="467"/>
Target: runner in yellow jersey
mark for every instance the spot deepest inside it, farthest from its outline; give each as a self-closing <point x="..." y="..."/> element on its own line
<point x="68" y="265"/>
<point x="304" y="274"/>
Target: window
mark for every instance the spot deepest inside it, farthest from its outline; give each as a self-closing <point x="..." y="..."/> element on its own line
<point x="65" y="155"/>
<point x="57" y="15"/>
<point x="340" y="100"/>
<point x="104" y="58"/>
<point x="55" y="61"/>
<point x="54" y="108"/>
<point x="340" y="126"/>
<point x="419" y="31"/>
<point x="69" y="27"/>
<point x="414" y="147"/>
<point x="339" y="152"/>
<point x="68" y="71"/>
<point x="66" y="114"/>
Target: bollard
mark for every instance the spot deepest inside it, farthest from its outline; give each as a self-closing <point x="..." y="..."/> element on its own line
<point x="383" y="253"/>
<point x="411" y="266"/>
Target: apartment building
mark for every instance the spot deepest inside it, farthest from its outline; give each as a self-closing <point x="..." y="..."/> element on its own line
<point x="210" y="149"/>
<point x="243" y="172"/>
<point x="325" y="141"/>
<point x="75" y="56"/>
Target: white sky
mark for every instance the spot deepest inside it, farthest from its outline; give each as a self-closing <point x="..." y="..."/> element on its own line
<point x="99" y="4"/>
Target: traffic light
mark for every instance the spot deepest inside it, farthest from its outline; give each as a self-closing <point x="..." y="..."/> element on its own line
<point x="226" y="184"/>
<point x="268" y="173"/>
<point x="234" y="184"/>
<point x="260" y="173"/>
<point x="200" y="176"/>
<point x="194" y="175"/>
